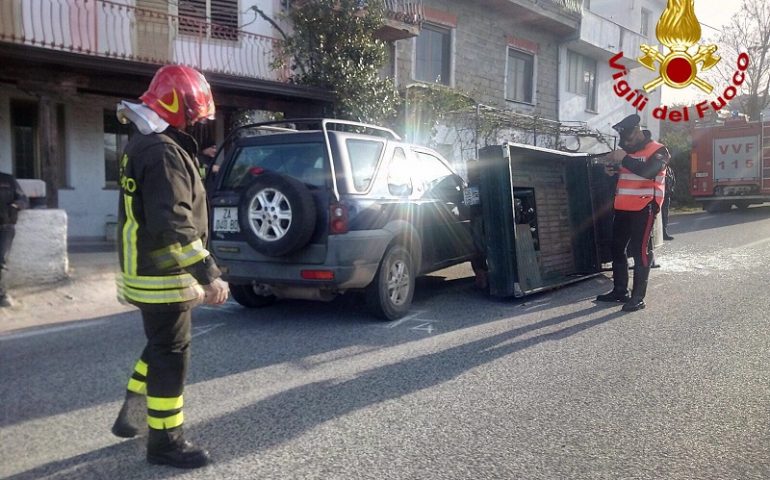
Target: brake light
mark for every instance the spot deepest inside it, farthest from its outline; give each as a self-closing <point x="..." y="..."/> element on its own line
<point x="338" y="219"/>
<point x="317" y="274"/>
<point x="256" y="171"/>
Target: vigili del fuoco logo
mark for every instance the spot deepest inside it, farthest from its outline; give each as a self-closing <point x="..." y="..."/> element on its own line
<point x="679" y="31"/>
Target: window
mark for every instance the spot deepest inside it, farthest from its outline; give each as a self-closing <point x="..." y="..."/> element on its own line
<point x="24" y="126"/>
<point x="305" y="162"/>
<point x="429" y="172"/>
<point x="433" y="55"/>
<point x="519" y="76"/>
<point x="645" y="28"/>
<point x="581" y="77"/>
<point x="211" y="18"/>
<point x="115" y="140"/>
<point x="399" y="179"/>
<point x="363" y="156"/>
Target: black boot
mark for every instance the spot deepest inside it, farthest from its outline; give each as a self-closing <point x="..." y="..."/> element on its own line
<point x="168" y="447"/>
<point x="636" y="302"/>
<point x="618" y="296"/>
<point x="132" y="419"/>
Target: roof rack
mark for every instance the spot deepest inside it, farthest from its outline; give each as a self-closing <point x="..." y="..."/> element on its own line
<point x="323" y="123"/>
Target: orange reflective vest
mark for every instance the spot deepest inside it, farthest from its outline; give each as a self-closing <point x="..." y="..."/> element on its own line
<point x="634" y="192"/>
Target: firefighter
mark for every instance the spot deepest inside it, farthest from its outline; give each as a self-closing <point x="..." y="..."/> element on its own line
<point x="165" y="267"/>
<point x="641" y="168"/>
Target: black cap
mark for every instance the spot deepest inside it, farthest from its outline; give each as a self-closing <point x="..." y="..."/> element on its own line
<point x="627" y="124"/>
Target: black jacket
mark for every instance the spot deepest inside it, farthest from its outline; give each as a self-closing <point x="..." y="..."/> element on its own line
<point x="163" y="221"/>
<point x="12" y="199"/>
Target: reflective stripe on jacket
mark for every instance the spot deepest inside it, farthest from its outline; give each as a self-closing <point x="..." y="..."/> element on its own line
<point x="634" y="192"/>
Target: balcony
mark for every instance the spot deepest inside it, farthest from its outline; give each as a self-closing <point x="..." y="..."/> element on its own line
<point x="403" y="19"/>
<point x="117" y="30"/>
<point x="558" y="16"/>
<point x="603" y="38"/>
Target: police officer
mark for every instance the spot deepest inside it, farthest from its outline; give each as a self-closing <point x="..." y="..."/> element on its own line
<point x="165" y="267"/>
<point x="641" y="169"/>
<point x="12" y="199"/>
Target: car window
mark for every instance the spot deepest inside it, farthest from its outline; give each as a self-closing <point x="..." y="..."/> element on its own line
<point x="363" y="156"/>
<point x="399" y="178"/>
<point x="429" y="171"/>
<point x="305" y="162"/>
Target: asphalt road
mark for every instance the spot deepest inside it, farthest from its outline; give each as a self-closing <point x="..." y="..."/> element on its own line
<point x="550" y="387"/>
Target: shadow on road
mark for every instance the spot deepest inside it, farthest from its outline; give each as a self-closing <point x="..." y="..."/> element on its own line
<point x="266" y="423"/>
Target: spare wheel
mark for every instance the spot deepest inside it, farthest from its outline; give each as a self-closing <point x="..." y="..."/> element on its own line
<point x="277" y="214"/>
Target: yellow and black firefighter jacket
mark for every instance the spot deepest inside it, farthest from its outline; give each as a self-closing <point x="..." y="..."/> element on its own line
<point x="162" y="223"/>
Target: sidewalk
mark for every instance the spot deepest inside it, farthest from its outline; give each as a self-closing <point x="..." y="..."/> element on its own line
<point x="88" y="293"/>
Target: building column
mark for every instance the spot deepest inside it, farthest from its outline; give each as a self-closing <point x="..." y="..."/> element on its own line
<point x="50" y="150"/>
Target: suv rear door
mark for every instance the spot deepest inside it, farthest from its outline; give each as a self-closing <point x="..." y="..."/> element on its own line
<point x="301" y="157"/>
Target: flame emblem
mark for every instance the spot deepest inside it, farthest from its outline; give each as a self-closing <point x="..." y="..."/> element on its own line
<point x="679" y="30"/>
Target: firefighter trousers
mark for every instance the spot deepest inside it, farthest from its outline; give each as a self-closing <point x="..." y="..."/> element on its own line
<point x="160" y="373"/>
<point x="631" y="236"/>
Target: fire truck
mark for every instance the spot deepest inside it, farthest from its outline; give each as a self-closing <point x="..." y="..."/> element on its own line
<point x="728" y="166"/>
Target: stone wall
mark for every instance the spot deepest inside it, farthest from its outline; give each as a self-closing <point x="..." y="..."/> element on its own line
<point x="479" y="53"/>
<point x="39" y="251"/>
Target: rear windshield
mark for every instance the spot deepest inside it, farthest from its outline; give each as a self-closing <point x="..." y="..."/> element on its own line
<point x="305" y="162"/>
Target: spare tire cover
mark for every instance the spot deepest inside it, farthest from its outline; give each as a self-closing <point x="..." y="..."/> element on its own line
<point x="277" y="214"/>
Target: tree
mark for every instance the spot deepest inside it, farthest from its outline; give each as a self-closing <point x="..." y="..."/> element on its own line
<point x="676" y="137"/>
<point x="748" y="31"/>
<point x="332" y="46"/>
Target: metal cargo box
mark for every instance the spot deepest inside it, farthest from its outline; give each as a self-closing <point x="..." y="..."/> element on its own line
<point x="546" y="217"/>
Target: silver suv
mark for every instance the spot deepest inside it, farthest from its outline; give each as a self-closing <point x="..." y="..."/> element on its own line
<point x="320" y="207"/>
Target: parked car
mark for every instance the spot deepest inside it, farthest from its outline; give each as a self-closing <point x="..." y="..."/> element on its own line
<point x="340" y="206"/>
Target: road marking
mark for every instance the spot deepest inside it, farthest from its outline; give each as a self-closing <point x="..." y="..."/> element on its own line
<point x="45" y="331"/>
<point x="405" y="319"/>
<point x="205" y="329"/>
<point x="427" y="327"/>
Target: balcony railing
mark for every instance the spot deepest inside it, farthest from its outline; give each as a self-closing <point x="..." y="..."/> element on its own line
<point x="406" y="11"/>
<point x="116" y="29"/>
<point x="571" y="6"/>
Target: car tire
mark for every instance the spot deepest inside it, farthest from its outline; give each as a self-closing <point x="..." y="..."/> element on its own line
<point x="277" y="214"/>
<point x="742" y="205"/>
<point x="390" y="294"/>
<point x="248" y="297"/>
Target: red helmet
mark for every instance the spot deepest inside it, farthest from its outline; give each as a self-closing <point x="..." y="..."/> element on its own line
<point x="180" y="95"/>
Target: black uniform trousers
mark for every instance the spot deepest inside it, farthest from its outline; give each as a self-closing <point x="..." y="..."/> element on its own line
<point x="631" y="236"/>
<point x="166" y="357"/>
<point x="7" y="233"/>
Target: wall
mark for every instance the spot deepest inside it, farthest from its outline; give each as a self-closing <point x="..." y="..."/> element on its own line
<point x="87" y="201"/>
<point x="39" y="250"/>
<point x="600" y="28"/>
<point x="85" y="198"/>
<point x="480" y="44"/>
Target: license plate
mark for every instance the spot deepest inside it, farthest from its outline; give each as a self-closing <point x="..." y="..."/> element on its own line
<point x="226" y="219"/>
